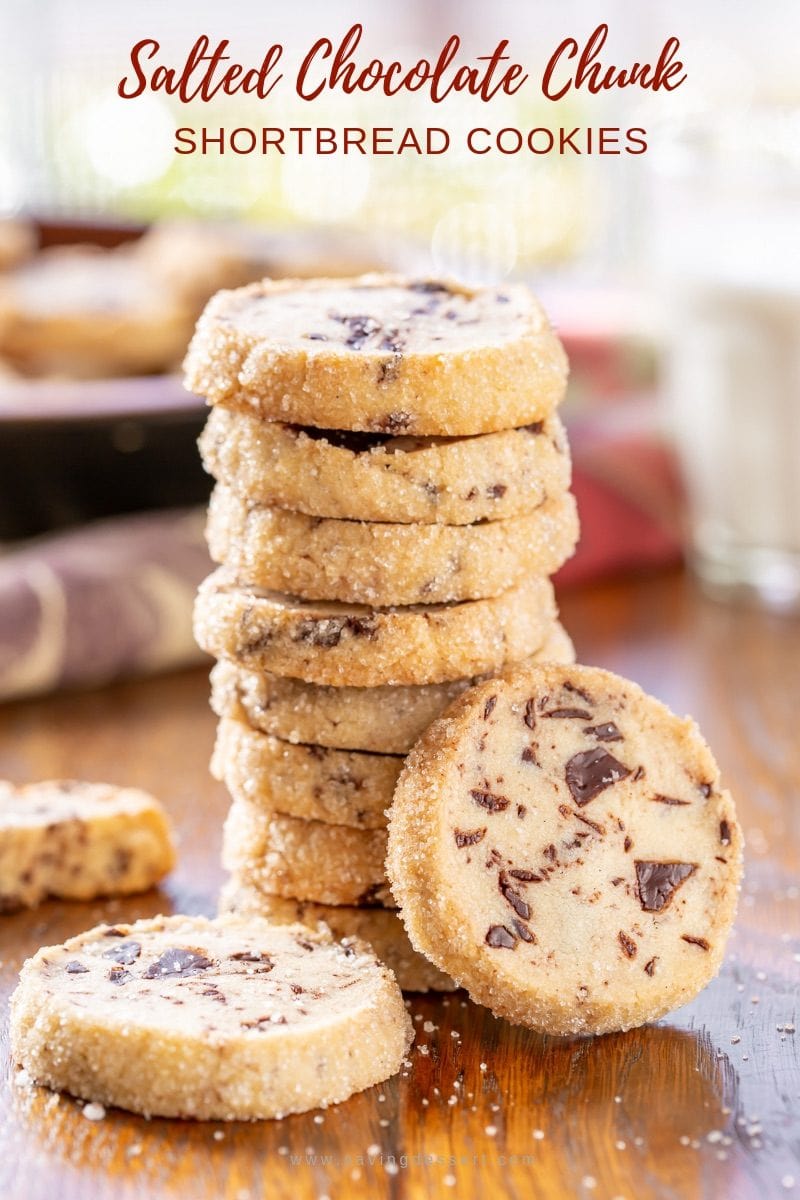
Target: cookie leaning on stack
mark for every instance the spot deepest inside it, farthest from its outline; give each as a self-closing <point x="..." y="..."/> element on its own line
<point x="392" y="497"/>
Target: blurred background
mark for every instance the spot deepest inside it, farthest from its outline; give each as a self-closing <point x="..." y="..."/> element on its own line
<point x="673" y="276"/>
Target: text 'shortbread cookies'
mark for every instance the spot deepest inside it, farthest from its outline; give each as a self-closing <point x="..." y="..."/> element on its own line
<point x="79" y="840"/>
<point x="561" y="845"/>
<point x="380" y="927"/>
<point x="231" y="1019"/>
<point x="384" y="477"/>
<point x="380" y="353"/>
<point x="314" y="783"/>
<point x="352" y="645"/>
<point x="306" y="860"/>
<point x="368" y="562"/>
<point x="384" y="720"/>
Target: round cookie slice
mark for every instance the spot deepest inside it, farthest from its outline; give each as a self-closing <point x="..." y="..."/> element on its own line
<point x="380" y="927"/>
<point x="560" y="844"/>
<point x="368" y="562"/>
<point x="356" y="646"/>
<point x="383" y="720"/>
<point x="380" y="353"/>
<point x="381" y="477"/>
<point x="314" y="783"/>
<point x="306" y="860"/>
<point x="231" y="1019"/>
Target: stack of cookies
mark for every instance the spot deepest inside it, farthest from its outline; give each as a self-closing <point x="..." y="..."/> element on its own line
<point x="392" y="497"/>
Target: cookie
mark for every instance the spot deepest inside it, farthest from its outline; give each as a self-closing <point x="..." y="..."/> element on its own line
<point x="340" y="787"/>
<point x="384" y="720"/>
<point x="384" y="564"/>
<point x="85" y="312"/>
<point x="352" y="645"/>
<point x="306" y="860"/>
<point x="560" y="844"/>
<point x="380" y="353"/>
<point x="79" y="840"/>
<point x="380" y="927"/>
<point x="231" y="1019"/>
<point x="383" y="477"/>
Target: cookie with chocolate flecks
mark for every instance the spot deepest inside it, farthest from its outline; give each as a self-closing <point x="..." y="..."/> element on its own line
<point x="306" y="860"/>
<point x="314" y="783"/>
<point x="352" y="645"/>
<point x="384" y="720"/>
<point x="384" y="476"/>
<point x="380" y="353"/>
<point x="561" y="845"/>
<point x="230" y="1019"/>
<point x="78" y="840"/>
<point x="380" y="927"/>
<point x="385" y="563"/>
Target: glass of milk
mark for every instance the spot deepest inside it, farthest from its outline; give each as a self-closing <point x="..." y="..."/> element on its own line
<point x="728" y="255"/>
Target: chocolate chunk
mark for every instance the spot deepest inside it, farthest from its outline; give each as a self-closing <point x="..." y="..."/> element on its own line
<point x="526" y="876"/>
<point x="490" y="801"/>
<point x="119" y="976"/>
<point x="591" y="771"/>
<point x="658" y="882"/>
<point x="521" y="811"/>
<point x="535" y="428"/>
<point x="114" y="931"/>
<point x="650" y="966"/>
<point x="500" y="938"/>
<point x="469" y="837"/>
<point x="550" y="852"/>
<point x="74" y="967"/>
<point x="124" y="952"/>
<point x="659" y="799"/>
<point x="360" y="328"/>
<point x="496" y="490"/>
<point x="629" y="946"/>
<point x="695" y="941"/>
<point x="488" y="707"/>
<point x="328" y="631"/>
<point x="572" y="687"/>
<point x="429" y="287"/>
<point x="638" y="774"/>
<point x="724" y="833"/>
<point x="253" y="956"/>
<point x="626" y="845"/>
<point x="523" y="932"/>
<point x="705" y="788"/>
<point x="579" y="713"/>
<point x="606" y="732"/>
<point x="317" y="337"/>
<point x="520" y="906"/>
<point x="592" y="824"/>
<point x="530" y="713"/>
<point x="177" y="961"/>
<point x="529" y="754"/>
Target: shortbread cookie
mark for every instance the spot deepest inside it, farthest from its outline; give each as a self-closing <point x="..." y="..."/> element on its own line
<point x="79" y="840"/>
<point x="85" y="312"/>
<point x="340" y="787"/>
<point x="231" y="1019"/>
<point x="384" y="720"/>
<point x="306" y="860"/>
<point x="380" y="353"/>
<point x="380" y="927"/>
<point x="381" y="477"/>
<point x="355" y="646"/>
<point x="365" y="562"/>
<point x="561" y="845"/>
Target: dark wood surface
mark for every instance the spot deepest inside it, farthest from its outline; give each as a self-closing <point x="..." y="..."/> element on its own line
<point x="705" y="1103"/>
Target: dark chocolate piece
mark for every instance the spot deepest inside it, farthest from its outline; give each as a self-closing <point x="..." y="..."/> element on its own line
<point x="658" y="882"/>
<point x="520" y="906"/>
<point x="591" y="771"/>
<point x="469" y="837"/>
<point x="124" y="952"/>
<point x="178" y="961"/>
<point x="526" y="876"/>
<point x="488" y="707"/>
<point x="606" y="732"/>
<point x="530" y="713"/>
<point x="579" y="714"/>
<point x="695" y="941"/>
<point x="629" y="946"/>
<point x="74" y="967"/>
<point x="523" y="932"/>
<point x="724" y="833"/>
<point x="659" y="799"/>
<point x="253" y="956"/>
<point x="650" y="966"/>
<point x="119" y="976"/>
<point x="490" y="801"/>
<point x="500" y="938"/>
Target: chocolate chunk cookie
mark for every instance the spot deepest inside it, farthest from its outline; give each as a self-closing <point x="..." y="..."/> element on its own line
<point x="306" y="860"/>
<point x="79" y="840"/>
<point x="355" y="646"/>
<point x="384" y="720"/>
<point x="380" y="354"/>
<point x="314" y="783"/>
<point x="380" y="927"/>
<point x="560" y="843"/>
<point x="368" y="562"/>
<point x="387" y="477"/>
<point x="231" y="1019"/>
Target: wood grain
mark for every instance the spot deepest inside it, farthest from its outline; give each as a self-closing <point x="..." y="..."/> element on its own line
<point x="702" y="1104"/>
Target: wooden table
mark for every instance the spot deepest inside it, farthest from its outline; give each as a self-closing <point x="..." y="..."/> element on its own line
<point x="703" y="1104"/>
